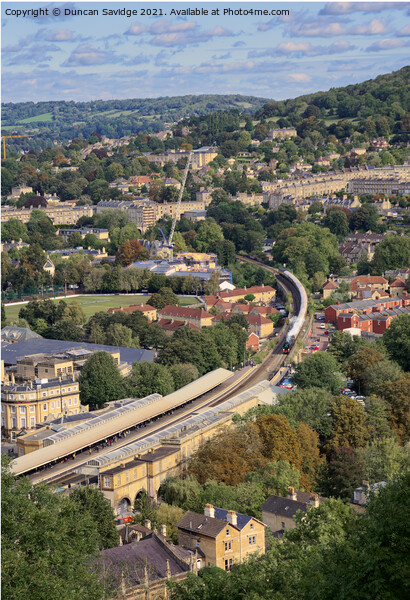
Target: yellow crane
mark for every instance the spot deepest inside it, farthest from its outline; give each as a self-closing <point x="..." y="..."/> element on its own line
<point x="12" y="136"/>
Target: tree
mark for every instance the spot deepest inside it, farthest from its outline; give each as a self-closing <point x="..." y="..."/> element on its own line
<point x="378" y="375"/>
<point x="164" y="298"/>
<point x="143" y="509"/>
<point x="208" y="233"/>
<point x="343" y="474"/>
<point x="92" y="502"/>
<point x="343" y="345"/>
<point x="397" y="396"/>
<point x="279" y="439"/>
<point x="276" y="477"/>
<point x="377" y="418"/>
<point x="337" y="222"/>
<point x="180" y="492"/>
<point x="182" y="374"/>
<point x="66" y="329"/>
<point x="311" y="406"/>
<point x="384" y="459"/>
<point x="59" y="561"/>
<point x="100" y="380"/>
<point x="169" y="515"/>
<point x="393" y="252"/>
<point x="150" y="378"/>
<point x="130" y="251"/>
<point x="397" y="341"/>
<point x="348" y="424"/>
<point x="318" y="370"/>
<point x="120" y="335"/>
<point x="359" y="363"/>
<point x="228" y="456"/>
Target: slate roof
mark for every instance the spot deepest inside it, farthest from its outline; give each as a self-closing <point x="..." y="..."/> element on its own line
<point x="208" y="526"/>
<point x="130" y="561"/>
<point x="11" y="353"/>
<point x="242" y="520"/>
<point x="398" y="283"/>
<point x="285" y="507"/>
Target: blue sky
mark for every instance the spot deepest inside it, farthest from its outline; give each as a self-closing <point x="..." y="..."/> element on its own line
<point x="318" y="46"/>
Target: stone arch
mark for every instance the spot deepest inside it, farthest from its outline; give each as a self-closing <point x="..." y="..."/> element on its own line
<point x="124" y="506"/>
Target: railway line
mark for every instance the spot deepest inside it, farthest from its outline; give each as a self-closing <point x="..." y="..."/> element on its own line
<point x="53" y="460"/>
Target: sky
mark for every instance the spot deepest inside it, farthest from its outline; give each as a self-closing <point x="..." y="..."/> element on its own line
<point x="81" y="57"/>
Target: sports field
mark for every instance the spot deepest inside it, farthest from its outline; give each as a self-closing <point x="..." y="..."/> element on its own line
<point x="93" y="304"/>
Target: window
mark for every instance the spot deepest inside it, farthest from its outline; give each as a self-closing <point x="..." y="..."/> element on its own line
<point x="45" y="407"/>
<point x="68" y="390"/>
<point x="44" y="394"/>
<point x="228" y="564"/>
<point x="14" y="422"/>
<point x="252" y="540"/>
<point x="32" y="396"/>
<point x="51" y="392"/>
<point x="2" y="408"/>
<point x="107" y="481"/>
<point x="32" y="409"/>
<point x="228" y="532"/>
<point x="32" y="422"/>
<point x="58" y="404"/>
<point x="119" y="480"/>
<point x="22" y="410"/>
<point x="63" y="390"/>
<point x="198" y="542"/>
<point x="21" y="396"/>
<point x="228" y="546"/>
<point x="11" y="396"/>
<point x="127" y="476"/>
<point x="69" y="402"/>
<point x="283" y="525"/>
<point x="3" y="422"/>
<point x="13" y="409"/>
<point x="75" y="401"/>
<point x="22" y="422"/>
<point x="251" y="526"/>
<point x="76" y="411"/>
<point x="52" y="405"/>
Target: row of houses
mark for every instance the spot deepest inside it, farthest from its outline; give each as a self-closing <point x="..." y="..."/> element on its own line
<point x="370" y="316"/>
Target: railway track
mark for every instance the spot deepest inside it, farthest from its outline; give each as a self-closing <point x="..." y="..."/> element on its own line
<point x="270" y="366"/>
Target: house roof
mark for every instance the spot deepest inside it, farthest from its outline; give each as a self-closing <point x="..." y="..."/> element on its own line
<point x="242" y="520"/>
<point x="170" y="325"/>
<point x="330" y="285"/>
<point x="201" y="524"/>
<point x="147" y="557"/>
<point x="398" y="283"/>
<point x="184" y="312"/>
<point x="284" y="507"/>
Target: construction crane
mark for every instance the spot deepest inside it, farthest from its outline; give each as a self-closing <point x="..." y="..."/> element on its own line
<point x="12" y="136"/>
<point x="181" y="191"/>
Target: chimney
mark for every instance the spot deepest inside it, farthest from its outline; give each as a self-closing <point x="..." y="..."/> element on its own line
<point x="292" y="494"/>
<point x="164" y="530"/>
<point x="231" y="517"/>
<point x="138" y="535"/>
<point x="147" y="523"/>
<point x="209" y="511"/>
<point x="314" y="500"/>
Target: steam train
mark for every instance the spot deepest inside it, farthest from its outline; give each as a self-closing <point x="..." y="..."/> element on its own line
<point x="287" y="346"/>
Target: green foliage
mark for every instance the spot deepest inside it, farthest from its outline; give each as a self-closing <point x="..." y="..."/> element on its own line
<point x="348" y="424"/>
<point x="384" y="459"/>
<point x="318" y="370"/>
<point x="49" y="544"/>
<point x="149" y="378"/>
<point x="393" y="252"/>
<point x="100" y="380"/>
<point x="343" y="473"/>
<point x="311" y="406"/>
<point x="343" y="345"/>
<point x="143" y="508"/>
<point x="397" y="341"/>
<point x="92" y="502"/>
<point x="164" y="298"/>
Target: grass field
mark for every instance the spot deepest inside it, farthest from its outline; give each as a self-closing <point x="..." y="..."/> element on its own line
<point x="43" y="117"/>
<point x="92" y="305"/>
